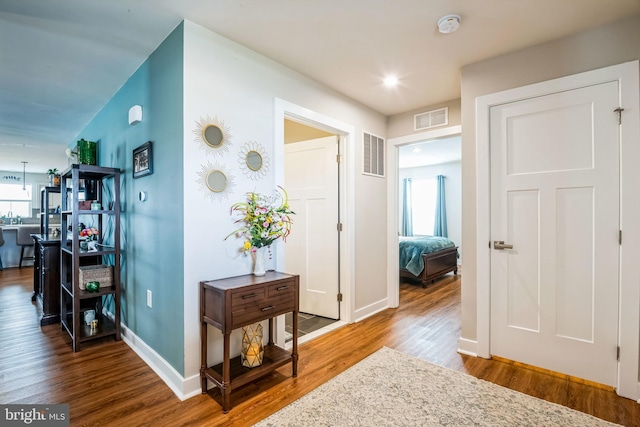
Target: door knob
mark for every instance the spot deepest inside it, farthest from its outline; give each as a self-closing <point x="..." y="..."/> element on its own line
<point x="500" y="245"/>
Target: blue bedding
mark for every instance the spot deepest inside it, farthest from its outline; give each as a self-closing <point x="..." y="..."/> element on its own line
<point x="412" y="248"/>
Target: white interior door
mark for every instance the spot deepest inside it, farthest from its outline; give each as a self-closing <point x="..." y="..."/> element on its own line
<point x="555" y="198"/>
<point x="311" y="180"/>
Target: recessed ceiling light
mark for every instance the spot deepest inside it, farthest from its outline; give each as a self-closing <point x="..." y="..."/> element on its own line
<point x="448" y="24"/>
<point x="390" y="81"/>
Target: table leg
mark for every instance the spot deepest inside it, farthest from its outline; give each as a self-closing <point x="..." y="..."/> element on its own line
<point x="294" y="346"/>
<point x="226" y="375"/>
<point x="203" y="356"/>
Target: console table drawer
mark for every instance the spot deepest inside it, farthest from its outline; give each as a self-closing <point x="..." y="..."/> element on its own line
<point x="281" y="289"/>
<point x="249" y="297"/>
<point x="269" y="306"/>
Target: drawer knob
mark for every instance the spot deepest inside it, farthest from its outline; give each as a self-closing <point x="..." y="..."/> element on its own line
<point x="249" y="296"/>
<point x="282" y="288"/>
<point x="271" y="307"/>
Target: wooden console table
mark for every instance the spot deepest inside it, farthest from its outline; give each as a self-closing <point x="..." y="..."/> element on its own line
<point x="231" y="303"/>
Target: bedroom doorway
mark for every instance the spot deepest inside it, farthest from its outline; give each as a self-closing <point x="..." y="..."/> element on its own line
<point x="422" y="156"/>
<point x="419" y="166"/>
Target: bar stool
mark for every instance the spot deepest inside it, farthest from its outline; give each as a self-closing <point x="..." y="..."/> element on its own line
<point x="24" y="239"/>
<point x="1" y="243"/>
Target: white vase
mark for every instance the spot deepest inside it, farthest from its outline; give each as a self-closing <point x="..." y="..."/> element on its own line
<point x="258" y="261"/>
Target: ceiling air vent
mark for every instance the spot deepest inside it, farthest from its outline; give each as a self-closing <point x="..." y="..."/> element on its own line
<point x="373" y="155"/>
<point x="431" y="119"/>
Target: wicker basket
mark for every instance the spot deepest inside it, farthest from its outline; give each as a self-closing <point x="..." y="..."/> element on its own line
<point x="96" y="273"/>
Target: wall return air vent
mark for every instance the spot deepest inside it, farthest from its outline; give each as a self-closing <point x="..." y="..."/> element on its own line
<point x="373" y="155"/>
<point x="431" y="119"/>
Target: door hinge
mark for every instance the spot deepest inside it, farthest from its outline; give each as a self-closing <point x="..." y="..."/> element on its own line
<point x="339" y="226"/>
<point x="619" y="110"/>
<point x="618" y="354"/>
<point x="620" y="237"/>
<point x="338" y="158"/>
<point x="340" y="297"/>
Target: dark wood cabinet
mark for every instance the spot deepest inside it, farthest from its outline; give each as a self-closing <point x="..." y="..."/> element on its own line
<point x="46" y="277"/>
<point x="81" y="185"/>
<point x="232" y="303"/>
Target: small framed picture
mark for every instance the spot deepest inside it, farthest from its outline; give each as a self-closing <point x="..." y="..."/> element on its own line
<point x="143" y="160"/>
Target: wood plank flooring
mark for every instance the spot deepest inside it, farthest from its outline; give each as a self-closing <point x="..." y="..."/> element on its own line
<point x="106" y="383"/>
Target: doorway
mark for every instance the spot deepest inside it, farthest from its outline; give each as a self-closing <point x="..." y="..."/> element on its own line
<point x="394" y="199"/>
<point x="312" y="181"/>
<point x="327" y="140"/>
<point x="419" y="165"/>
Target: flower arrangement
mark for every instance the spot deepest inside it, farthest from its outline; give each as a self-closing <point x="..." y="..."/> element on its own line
<point x="266" y="219"/>
<point x="91" y="233"/>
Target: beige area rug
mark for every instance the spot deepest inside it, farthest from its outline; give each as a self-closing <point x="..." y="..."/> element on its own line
<point x="390" y="388"/>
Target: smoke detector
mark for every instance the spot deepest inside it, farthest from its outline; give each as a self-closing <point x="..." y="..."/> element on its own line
<point x="448" y="24"/>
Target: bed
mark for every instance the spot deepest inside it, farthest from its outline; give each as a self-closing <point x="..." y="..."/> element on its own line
<point x="426" y="258"/>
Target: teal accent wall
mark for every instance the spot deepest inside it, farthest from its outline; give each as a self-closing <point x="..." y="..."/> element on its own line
<point x="152" y="231"/>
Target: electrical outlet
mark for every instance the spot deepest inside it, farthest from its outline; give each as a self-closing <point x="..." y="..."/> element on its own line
<point x="149" y="298"/>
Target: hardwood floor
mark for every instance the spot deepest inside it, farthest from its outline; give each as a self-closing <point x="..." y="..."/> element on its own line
<point x="106" y="383"/>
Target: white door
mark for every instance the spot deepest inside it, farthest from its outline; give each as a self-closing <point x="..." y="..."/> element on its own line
<point x="311" y="180"/>
<point x="555" y="198"/>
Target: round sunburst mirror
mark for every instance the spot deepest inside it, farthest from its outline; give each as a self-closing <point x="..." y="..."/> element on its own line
<point x="212" y="133"/>
<point x="216" y="182"/>
<point x="212" y="136"/>
<point x="253" y="160"/>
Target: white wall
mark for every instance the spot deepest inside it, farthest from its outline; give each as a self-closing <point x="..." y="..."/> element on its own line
<point x="453" y="194"/>
<point x="239" y="86"/>
<point x="402" y="124"/>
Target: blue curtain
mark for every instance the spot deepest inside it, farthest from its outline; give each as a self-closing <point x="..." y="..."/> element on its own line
<point x="407" y="222"/>
<point x="440" y="226"/>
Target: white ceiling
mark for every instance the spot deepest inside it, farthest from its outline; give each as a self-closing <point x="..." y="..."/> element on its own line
<point x="61" y="61"/>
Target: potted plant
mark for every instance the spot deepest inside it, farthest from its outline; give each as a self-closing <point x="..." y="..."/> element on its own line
<point x="54" y="177"/>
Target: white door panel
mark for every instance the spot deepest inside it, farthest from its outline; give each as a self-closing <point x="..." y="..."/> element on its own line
<point x="311" y="180"/>
<point x="555" y="198"/>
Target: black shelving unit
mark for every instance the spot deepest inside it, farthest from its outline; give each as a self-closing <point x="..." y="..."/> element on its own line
<point x="81" y="185"/>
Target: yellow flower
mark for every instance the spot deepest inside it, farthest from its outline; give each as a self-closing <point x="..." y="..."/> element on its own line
<point x="247" y="245"/>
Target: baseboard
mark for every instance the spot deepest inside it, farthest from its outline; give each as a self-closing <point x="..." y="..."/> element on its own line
<point x="183" y="388"/>
<point x="468" y="347"/>
<point x="371" y="309"/>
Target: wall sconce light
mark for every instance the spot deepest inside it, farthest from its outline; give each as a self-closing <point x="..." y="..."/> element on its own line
<point x="135" y="114"/>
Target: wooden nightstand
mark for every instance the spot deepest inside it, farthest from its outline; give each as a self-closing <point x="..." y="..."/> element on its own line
<point x="234" y="302"/>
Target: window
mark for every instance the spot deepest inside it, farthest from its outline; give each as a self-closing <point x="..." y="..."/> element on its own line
<point x="14" y="201"/>
<point x="423" y="201"/>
